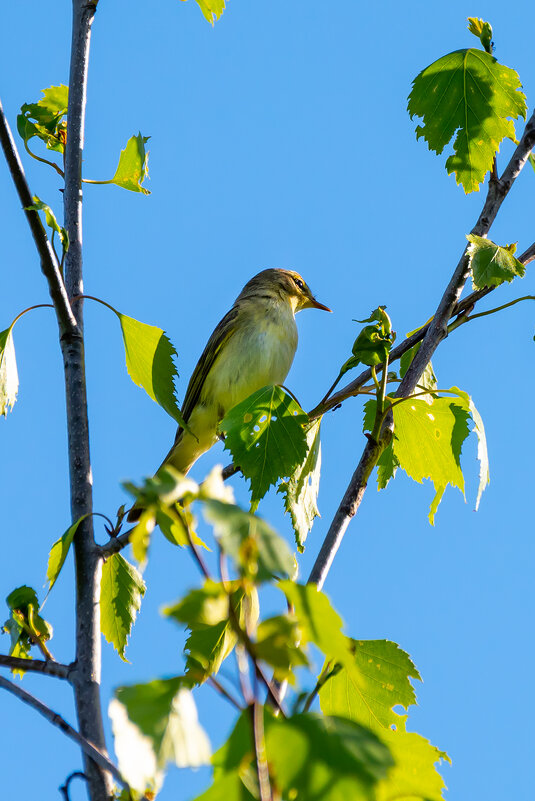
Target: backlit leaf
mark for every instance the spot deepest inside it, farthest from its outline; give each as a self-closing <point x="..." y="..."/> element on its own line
<point x="51" y="221"/>
<point x="301" y="490"/>
<point x="384" y="683"/>
<point x="44" y="119"/>
<point x="155" y="724"/>
<point x="58" y="553"/>
<point x="469" y="93"/>
<point x="133" y="165"/>
<point x="149" y="360"/>
<point x="212" y="9"/>
<point x="491" y="264"/>
<point x="427" y="442"/>
<point x="9" y="377"/>
<point x="258" y="551"/>
<point x="121" y="591"/>
<point x="265" y="435"/>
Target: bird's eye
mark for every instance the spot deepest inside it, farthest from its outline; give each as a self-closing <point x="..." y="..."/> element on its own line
<point x="300" y="284"/>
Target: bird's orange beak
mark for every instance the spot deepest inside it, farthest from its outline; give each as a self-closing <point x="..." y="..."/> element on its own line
<point x="317" y="305"/>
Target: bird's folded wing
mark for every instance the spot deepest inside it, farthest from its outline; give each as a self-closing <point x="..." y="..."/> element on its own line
<point x="220" y="336"/>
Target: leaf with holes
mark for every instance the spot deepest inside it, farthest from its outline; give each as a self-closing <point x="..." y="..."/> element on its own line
<point x="265" y="435"/>
<point x="381" y="684"/>
<point x="470" y="93"/>
<point x="121" y="591"/>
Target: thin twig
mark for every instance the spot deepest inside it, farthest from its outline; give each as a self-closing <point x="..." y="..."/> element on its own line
<point x="224" y="692"/>
<point x="64" y="788"/>
<point x="434" y="334"/>
<point x="48" y="668"/>
<point x="49" y="263"/>
<point x="87" y="747"/>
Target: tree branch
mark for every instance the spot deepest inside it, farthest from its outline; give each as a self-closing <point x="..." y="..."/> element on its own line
<point x="48" y="668"/>
<point x="435" y="332"/>
<point x="96" y="756"/>
<point x="49" y="262"/>
<point x="88" y="565"/>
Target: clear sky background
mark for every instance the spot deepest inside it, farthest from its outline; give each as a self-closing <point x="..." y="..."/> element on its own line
<point x="279" y="138"/>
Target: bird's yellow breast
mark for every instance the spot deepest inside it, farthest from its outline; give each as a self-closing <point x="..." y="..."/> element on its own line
<point x="260" y="352"/>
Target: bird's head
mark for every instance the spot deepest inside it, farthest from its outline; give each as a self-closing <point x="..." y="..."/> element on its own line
<point x="286" y="284"/>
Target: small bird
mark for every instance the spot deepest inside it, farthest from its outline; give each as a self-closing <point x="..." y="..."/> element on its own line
<point x="254" y="345"/>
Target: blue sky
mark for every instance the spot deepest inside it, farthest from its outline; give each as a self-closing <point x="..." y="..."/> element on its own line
<point x="278" y="138"/>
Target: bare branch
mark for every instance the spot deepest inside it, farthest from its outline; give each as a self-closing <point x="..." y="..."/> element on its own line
<point x="48" y="668"/>
<point x="435" y="332"/>
<point x="87" y="747"/>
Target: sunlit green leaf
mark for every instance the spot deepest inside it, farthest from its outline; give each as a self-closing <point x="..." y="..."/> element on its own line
<point x="121" y="591"/>
<point x="51" y="221"/>
<point x="482" y="453"/>
<point x="319" y="622"/>
<point x="310" y="757"/>
<point x="258" y="551"/>
<point x="24" y="624"/>
<point x="149" y="360"/>
<point x="212" y="9"/>
<point x="470" y="93"/>
<point x="383" y="683"/>
<point x="265" y="435"/>
<point x="277" y="644"/>
<point x="58" y="553"/>
<point x="483" y="31"/>
<point x="301" y="490"/>
<point x="9" y="377"/>
<point x="491" y="264"/>
<point x="212" y="636"/>
<point x="133" y="165"/>
<point x="427" y="442"/>
<point x="427" y="380"/>
<point x="44" y="119"/>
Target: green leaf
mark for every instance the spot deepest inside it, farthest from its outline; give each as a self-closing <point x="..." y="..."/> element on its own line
<point x="382" y="682"/>
<point x="427" y="442"/>
<point x="319" y="622"/>
<point x="483" y="31"/>
<point x="531" y="159"/>
<point x="211" y="9"/>
<point x="155" y="724"/>
<point x="385" y="672"/>
<point x="258" y="551"/>
<point x="265" y="435"/>
<point x="479" y="428"/>
<point x="491" y="264"/>
<point x="44" y="119"/>
<point x="23" y="607"/>
<point x="227" y="787"/>
<point x="149" y="361"/>
<point x="314" y="756"/>
<point x="310" y="757"/>
<point x="133" y="165"/>
<point x="9" y="377"/>
<point x="301" y="490"/>
<point x="470" y="93"/>
<point x="50" y="217"/>
<point x="58" y="553"/>
<point x="121" y="591"/>
<point x="212" y="637"/>
<point x="278" y="645"/>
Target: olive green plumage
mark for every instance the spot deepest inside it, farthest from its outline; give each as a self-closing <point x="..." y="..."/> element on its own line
<point x="253" y="346"/>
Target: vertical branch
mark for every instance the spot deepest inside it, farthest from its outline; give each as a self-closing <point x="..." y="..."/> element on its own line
<point x="86" y="675"/>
